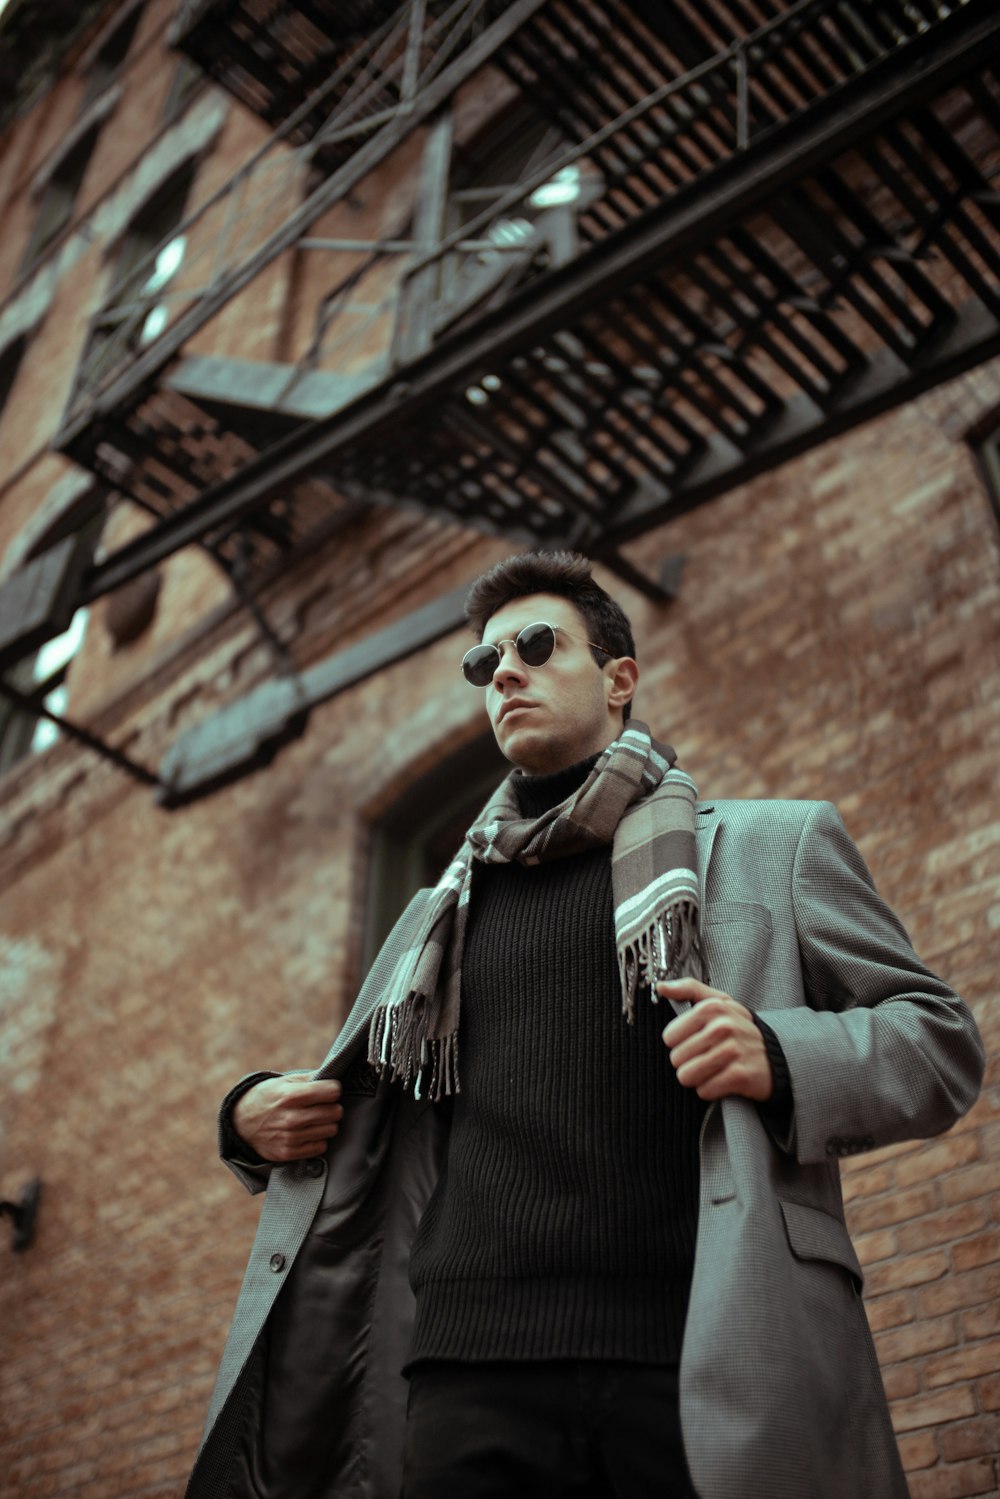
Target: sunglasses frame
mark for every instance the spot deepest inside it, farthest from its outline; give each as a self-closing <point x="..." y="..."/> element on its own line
<point x="514" y="639"/>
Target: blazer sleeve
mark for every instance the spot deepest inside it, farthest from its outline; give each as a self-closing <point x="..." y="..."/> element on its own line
<point x="883" y="1050"/>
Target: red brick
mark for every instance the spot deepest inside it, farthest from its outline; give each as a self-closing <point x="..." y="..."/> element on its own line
<point x="967" y="1362"/>
<point x="933" y="1408"/>
<point x="954" y="1483"/>
<point x="971" y="1288"/>
<point x="880" y="1245"/>
<point x="868" y="1183"/>
<point x="944" y="1227"/>
<point x="974" y="1181"/>
<point x="978" y="1437"/>
<point x="908" y="1270"/>
<point x="981" y="1320"/>
<point x="884" y="1153"/>
<point x="897" y="1207"/>
<point x="916" y="1339"/>
<point x="984" y="1250"/>
<point x="937" y="1160"/>
<point x="889" y="1311"/>
<point x="918" y="1449"/>
<point x="988" y="1393"/>
<point x="900" y="1380"/>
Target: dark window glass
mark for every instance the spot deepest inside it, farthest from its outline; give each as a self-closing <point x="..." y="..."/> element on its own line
<point x="56" y="208"/>
<point x="10" y="363"/>
<point x="187" y="76"/>
<point x="110" y="56"/>
<point x="137" y="311"/>
<point x="43" y="676"/>
<point x="986" y="446"/>
<point x="415" y="840"/>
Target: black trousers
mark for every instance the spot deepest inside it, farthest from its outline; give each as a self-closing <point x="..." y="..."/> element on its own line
<point x="566" y="1429"/>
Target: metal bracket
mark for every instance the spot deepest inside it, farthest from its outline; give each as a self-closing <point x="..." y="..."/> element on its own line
<point x="24" y="1214"/>
<point x="28" y="704"/>
<point x="662" y="589"/>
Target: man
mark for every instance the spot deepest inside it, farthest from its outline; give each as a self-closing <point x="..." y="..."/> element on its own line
<point x="603" y="1236"/>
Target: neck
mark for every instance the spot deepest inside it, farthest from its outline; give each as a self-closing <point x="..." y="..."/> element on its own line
<point x="536" y="794"/>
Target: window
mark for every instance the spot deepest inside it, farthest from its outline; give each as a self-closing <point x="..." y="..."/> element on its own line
<point x="10" y="363"/>
<point x="60" y="195"/>
<point x="986" y="447"/>
<point x="187" y="76"/>
<point x="413" y="842"/>
<point x="42" y="676"/>
<point x="111" y="51"/>
<point x="540" y="231"/>
<point x="137" y="313"/>
<point x="43" y="679"/>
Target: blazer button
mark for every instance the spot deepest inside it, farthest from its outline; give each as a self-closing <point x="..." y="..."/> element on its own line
<point x="314" y="1166"/>
<point x="277" y="1262"/>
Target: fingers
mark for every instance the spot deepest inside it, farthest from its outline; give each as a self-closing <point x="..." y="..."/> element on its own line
<point x="301" y="1088"/>
<point x="289" y="1118"/>
<point x="717" y="1050"/>
<point x="705" y="1006"/>
<point x="685" y="988"/>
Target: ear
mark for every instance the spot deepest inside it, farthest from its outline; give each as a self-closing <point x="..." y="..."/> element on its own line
<point x="623" y="676"/>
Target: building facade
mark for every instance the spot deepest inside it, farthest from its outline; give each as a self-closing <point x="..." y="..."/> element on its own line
<point x="306" y="317"/>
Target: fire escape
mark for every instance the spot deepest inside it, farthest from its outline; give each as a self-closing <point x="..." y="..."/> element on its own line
<point x="737" y="227"/>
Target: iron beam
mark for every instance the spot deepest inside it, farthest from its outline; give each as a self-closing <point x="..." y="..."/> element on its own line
<point x="973" y="336"/>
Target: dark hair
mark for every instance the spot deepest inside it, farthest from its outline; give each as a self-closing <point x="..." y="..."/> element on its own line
<point x="566" y="574"/>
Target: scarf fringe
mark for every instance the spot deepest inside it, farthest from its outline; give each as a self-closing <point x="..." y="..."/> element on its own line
<point x="398" y="1040"/>
<point x="670" y="947"/>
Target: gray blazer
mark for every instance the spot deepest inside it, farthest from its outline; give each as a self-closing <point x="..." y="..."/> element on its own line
<point x="781" y="1395"/>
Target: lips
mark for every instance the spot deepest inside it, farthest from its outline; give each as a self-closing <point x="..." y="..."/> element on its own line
<point x="511" y="706"/>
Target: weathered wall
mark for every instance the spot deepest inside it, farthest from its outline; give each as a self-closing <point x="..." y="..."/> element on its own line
<point x="835" y="637"/>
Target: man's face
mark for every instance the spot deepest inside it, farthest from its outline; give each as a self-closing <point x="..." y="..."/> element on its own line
<point x="550" y="716"/>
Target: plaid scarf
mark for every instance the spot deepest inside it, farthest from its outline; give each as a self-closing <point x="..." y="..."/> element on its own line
<point x="633" y="799"/>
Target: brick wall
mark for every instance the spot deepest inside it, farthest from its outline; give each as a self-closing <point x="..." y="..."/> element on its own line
<point x="149" y="959"/>
<point x="835" y="636"/>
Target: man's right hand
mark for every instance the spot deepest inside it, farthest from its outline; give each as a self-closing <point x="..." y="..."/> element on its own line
<point x="289" y="1118"/>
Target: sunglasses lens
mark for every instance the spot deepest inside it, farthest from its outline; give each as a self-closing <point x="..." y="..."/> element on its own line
<point x="480" y="663"/>
<point x="535" y="644"/>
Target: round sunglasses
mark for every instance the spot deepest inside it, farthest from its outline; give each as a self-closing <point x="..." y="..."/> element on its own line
<point x="534" y="644"/>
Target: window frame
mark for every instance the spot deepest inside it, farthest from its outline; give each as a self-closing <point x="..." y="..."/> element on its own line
<point x="401" y="836"/>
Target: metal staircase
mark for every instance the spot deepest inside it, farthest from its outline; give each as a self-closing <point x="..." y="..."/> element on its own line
<point x="730" y="231"/>
<point x="747" y="226"/>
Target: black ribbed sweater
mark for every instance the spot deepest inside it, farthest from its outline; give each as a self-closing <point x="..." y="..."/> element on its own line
<point x="564" y="1222"/>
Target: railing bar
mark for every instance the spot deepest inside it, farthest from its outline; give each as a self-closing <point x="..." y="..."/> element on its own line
<point x="800" y="222"/>
<point x="587" y="147"/>
<point x="629" y="65"/>
<point x="711" y="147"/>
<point x="768" y="264"/>
<point x="754" y="331"/>
<point x="647" y="319"/>
<point x="596" y="406"/>
<point x="941" y="235"/>
<point x="853" y="207"/>
<point x="600" y="350"/>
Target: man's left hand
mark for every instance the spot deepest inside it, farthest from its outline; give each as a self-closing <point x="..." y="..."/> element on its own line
<point x="715" y="1047"/>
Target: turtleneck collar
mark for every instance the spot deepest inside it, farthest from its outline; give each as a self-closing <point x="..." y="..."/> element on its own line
<point x="536" y="794"/>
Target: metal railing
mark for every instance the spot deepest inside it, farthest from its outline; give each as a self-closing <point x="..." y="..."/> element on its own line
<point x="758" y="82"/>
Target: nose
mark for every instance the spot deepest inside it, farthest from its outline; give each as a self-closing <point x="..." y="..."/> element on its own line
<point x="510" y="667"/>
